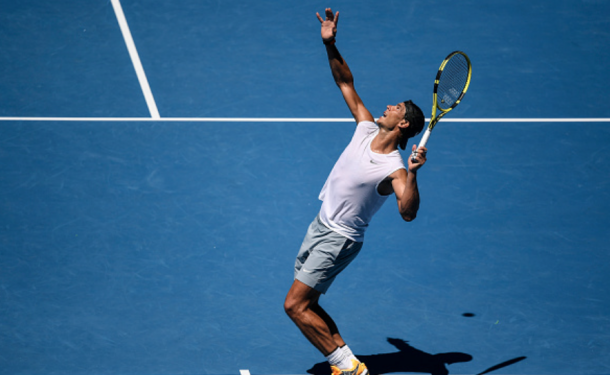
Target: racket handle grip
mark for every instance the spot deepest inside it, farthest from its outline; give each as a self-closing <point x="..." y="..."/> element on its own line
<point x="422" y="143"/>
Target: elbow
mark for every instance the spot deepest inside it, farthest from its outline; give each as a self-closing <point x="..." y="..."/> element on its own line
<point x="409" y="216"/>
<point x="409" y="211"/>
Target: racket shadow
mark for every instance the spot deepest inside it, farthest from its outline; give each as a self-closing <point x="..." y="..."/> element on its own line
<point x="407" y="359"/>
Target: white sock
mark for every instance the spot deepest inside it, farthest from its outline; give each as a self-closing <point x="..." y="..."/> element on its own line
<point x="348" y="352"/>
<point x="340" y="359"/>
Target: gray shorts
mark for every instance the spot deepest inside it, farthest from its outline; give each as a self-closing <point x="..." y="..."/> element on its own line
<point x="323" y="255"/>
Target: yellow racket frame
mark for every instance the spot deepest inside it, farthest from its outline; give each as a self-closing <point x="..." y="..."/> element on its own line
<point x="435" y="104"/>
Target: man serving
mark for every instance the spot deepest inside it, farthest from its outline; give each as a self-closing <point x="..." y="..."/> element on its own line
<point x="368" y="171"/>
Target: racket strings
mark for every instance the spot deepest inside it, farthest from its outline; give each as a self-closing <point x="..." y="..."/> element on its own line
<point x="452" y="81"/>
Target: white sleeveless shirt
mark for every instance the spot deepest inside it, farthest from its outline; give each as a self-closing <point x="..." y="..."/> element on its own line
<point x="350" y="197"/>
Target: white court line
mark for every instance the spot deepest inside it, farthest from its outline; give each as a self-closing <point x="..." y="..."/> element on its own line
<point x="244" y="372"/>
<point x="279" y="119"/>
<point x="176" y="119"/>
<point x="135" y="59"/>
<point x="526" y="120"/>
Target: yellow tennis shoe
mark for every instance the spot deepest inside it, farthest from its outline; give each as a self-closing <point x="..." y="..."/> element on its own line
<point x="358" y="369"/>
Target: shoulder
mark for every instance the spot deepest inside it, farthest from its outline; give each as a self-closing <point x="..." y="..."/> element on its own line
<point x="399" y="174"/>
<point x="395" y="181"/>
<point x="368" y="124"/>
<point x="367" y="127"/>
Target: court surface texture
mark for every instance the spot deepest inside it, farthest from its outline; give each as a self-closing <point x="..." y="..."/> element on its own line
<point x="154" y="194"/>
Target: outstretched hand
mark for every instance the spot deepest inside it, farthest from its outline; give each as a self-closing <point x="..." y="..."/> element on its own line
<point x="329" y="25"/>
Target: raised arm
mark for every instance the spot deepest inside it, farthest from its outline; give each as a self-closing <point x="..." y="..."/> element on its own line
<point x="341" y="72"/>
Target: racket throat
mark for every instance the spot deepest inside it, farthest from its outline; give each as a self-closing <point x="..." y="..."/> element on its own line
<point x="424" y="138"/>
<point x="422" y="143"/>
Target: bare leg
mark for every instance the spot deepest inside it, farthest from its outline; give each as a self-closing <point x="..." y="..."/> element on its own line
<point x="334" y="331"/>
<point x="302" y="307"/>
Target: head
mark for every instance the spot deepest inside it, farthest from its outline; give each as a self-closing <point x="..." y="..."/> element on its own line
<point x="415" y="119"/>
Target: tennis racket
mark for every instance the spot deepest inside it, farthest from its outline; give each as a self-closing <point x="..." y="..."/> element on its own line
<point x="450" y="85"/>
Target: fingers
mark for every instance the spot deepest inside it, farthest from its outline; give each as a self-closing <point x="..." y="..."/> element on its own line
<point x="421" y="150"/>
<point x="329" y="16"/>
<point x="418" y="156"/>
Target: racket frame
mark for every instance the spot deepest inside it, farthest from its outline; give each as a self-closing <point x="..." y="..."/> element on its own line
<point x="434" y="119"/>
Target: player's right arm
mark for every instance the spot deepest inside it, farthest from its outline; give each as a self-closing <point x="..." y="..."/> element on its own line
<point x="340" y="70"/>
<point x="404" y="184"/>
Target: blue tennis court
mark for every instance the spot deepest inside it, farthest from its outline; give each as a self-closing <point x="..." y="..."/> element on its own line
<point x="135" y="242"/>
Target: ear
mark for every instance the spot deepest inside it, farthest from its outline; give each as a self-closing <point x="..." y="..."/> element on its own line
<point x="404" y="124"/>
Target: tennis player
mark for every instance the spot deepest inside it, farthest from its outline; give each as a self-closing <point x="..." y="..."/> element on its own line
<point x="367" y="172"/>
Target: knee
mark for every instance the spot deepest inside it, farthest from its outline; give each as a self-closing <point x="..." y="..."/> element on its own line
<point x="299" y="300"/>
<point x="291" y="307"/>
<point x="295" y="307"/>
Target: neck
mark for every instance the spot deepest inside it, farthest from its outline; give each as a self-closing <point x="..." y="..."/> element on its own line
<point x="385" y="141"/>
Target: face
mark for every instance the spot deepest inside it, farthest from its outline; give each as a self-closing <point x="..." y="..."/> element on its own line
<point x="392" y="116"/>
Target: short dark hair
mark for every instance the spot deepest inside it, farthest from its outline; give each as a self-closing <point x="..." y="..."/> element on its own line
<point x="416" y="119"/>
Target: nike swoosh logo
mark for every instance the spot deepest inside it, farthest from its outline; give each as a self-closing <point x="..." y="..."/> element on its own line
<point x="307" y="271"/>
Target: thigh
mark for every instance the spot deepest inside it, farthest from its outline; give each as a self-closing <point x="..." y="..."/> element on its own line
<point x="330" y="255"/>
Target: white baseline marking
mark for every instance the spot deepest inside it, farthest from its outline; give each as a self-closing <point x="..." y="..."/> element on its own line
<point x="279" y="119"/>
<point x="244" y="372"/>
<point x="135" y="59"/>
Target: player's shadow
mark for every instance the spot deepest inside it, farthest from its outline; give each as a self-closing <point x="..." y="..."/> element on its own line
<point x="407" y="359"/>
